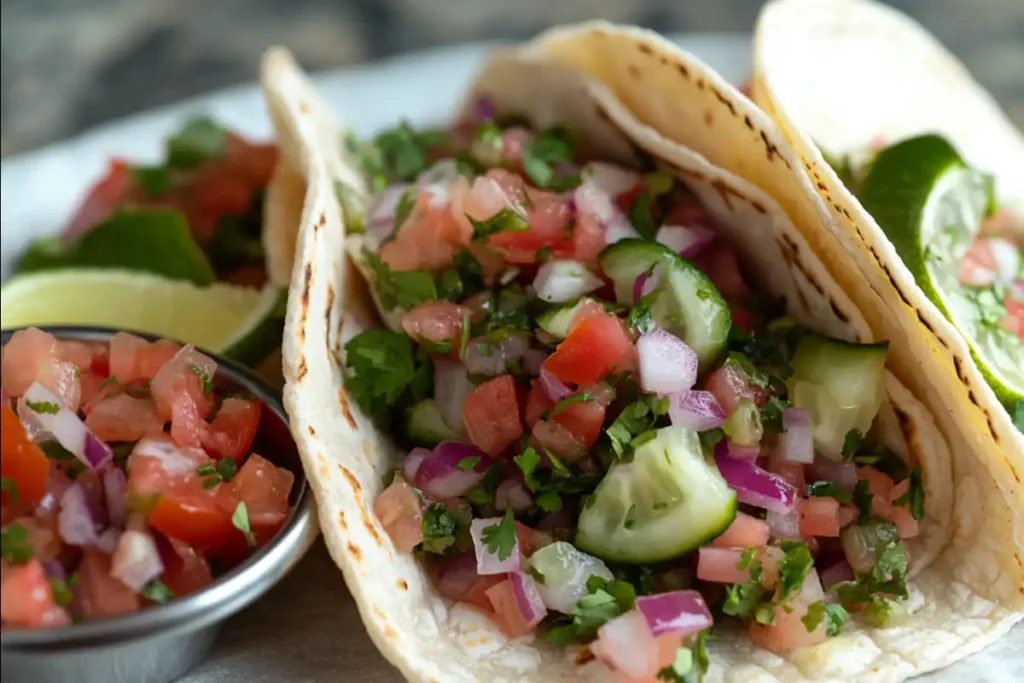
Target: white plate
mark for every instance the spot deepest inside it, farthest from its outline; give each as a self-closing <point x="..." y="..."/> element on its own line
<point x="307" y="630"/>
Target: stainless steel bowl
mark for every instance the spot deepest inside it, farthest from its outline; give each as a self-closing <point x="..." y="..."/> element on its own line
<point x="160" y="643"/>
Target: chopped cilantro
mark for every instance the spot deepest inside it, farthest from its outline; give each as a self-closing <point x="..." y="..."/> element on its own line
<point x="240" y="520"/>
<point x="157" y="591"/>
<point x="742" y="599"/>
<point x="201" y="140"/>
<point x="403" y="150"/>
<point x="885" y="461"/>
<point x="546" y="148"/>
<point x="439" y="529"/>
<point x="14" y="545"/>
<point x="700" y="651"/>
<point x="108" y="381"/>
<point x="500" y="538"/>
<point x="406" y="203"/>
<point x="543" y="255"/>
<point x="771" y="415"/>
<point x="862" y="499"/>
<point x="745" y="364"/>
<point x="154" y="181"/>
<point x="61" y="592"/>
<point x="913" y="499"/>
<point x="431" y="346"/>
<point x="578" y="397"/>
<point x="834" y="616"/>
<point x="205" y="381"/>
<point x="851" y="442"/>
<point x="403" y="289"/>
<point x="505" y="220"/>
<point x="643" y="212"/>
<point x="681" y="666"/>
<point x="635" y="419"/>
<point x="527" y="462"/>
<point x="629" y="521"/>
<point x="43" y="407"/>
<point x="468" y="463"/>
<point x="884" y="612"/>
<point x="10" y="487"/>
<point x="605" y="601"/>
<point x="793" y="568"/>
<point x="829" y="489"/>
<point x="549" y="501"/>
<point x="383" y="368"/>
<point x="641" y="317"/>
<point x="710" y="438"/>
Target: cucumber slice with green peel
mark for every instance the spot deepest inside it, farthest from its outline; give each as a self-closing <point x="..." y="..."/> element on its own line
<point x="424" y="425"/>
<point x="841" y="384"/>
<point x="931" y="205"/>
<point x="664" y="503"/>
<point x="557" y="321"/>
<point x="688" y="305"/>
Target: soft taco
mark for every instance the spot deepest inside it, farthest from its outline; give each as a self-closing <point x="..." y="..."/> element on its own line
<point x="612" y="396"/>
<point x="922" y="172"/>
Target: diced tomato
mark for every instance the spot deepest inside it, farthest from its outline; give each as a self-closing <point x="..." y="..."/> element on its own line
<point x="506" y="610"/>
<point x="819" y="517"/>
<point x="744" y="532"/>
<point x="880" y="485"/>
<point x="906" y="525"/>
<point x="264" y="487"/>
<point x="430" y="237"/>
<point x="105" y="196"/>
<point x="78" y="354"/>
<point x="99" y="593"/>
<point x="436" y="321"/>
<point x="588" y="238"/>
<point x="179" y="388"/>
<point x="32" y="355"/>
<point x="722" y="267"/>
<point x="547" y="214"/>
<point x="583" y="419"/>
<point x="1014" y="320"/>
<point x="22" y="461"/>
<point x="551" y="436"/>
<point x="789" y="631"/>
<point x="26" y="600"/>
<point x="791" y="472"/>
<point x="490" y="414"/>
<point x="626" y="644"/>
<point x="400" y="511"/>
<point x="123" y="418"/>
<point x="979" y="267"/>
<point x="133" y="358"/>
<point x="848" y="514"/>
<point x="531" y="540"/>
<point x="246" y="276"/>
<point x="722" y="565"/>
<point x="231" y="432"/>
<point x="185" y="570"/>
<point x="729" y="384"/>
<point x="595" y="348"/>
<point x="537" y="402"/>
<point x="742" y="318"/>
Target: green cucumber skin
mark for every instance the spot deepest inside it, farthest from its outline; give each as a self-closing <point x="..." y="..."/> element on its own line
<point x="424" y="425"/>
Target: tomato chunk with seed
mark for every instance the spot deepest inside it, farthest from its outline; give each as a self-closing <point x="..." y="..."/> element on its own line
<point x="22" y="461"/>
<point x="99" y="593"/>
<point x="232" y="430"/>
<point x="399" y="510"/>
<point x="595" y="348"/>
<point x="264" y="487"/>
<point x="124" y="418"/>
<point x="27" y="599"/>
<point x="491" y="415"/>
<point x="506" y="610"/>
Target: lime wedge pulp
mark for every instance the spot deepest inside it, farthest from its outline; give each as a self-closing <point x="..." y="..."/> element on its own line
<point x="240" y="322"/>
<point x="931" y="205"/>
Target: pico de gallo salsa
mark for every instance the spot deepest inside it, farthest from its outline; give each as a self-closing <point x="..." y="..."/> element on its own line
<point x="613" y="439"/>
<point x="128" y="478"/>
<point x="200" y="211"/>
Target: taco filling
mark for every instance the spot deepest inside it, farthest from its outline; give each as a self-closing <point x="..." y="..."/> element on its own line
<point x="612" y="439"/>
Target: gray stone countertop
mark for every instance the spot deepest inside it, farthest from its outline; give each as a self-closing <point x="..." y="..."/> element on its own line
<point x="67" y="65"/>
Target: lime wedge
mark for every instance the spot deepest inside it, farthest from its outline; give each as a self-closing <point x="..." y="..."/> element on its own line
<point x="931" y="205"/>
<point x="151" y="240"/>
<point x="241" y="322"/>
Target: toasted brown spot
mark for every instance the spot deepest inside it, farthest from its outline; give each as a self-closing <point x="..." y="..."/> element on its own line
<point x="341" y="520"/>
<point x="328" y="308"/>
<point x="972" y="397"/>
<point x="772" y="149"/>
<point x="839" y="313"/>
<point x="645" y="48"/>
<point x="726" y="191"/>
<point x="746" y="120"/>
<point x="304" y="107"/>
<point x="312" y="432"/>
<point x="346" y="409"/>
<point x="354" y="551"/>
<point x="602" y="114"/>
<point x="683" y="70"/>
<point x="402" y="585"/>
<point x="634" y="71"/>
<point x="708" y="119"/>
<point x="959" y="367"/>
<point x="725" y="101"/>
<point x="368" y="523"/>
<point x="822" y="187"/>
<point x="352" y="481"/>
<point x="584" y="656"/>
<point x="366" y="449"/>
<point x="701" y="84"/>
<point x="301" y="371"/>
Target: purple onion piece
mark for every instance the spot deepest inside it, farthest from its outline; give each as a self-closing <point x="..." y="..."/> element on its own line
<point x="483" y="109"/>
<point x="682" y="612"/>
<point x="528" y="598"/>
<point x="451" y="470"/>
<point x="65" y="425"/>
<point x="77" y="522"/>
<point x="696" y="410"/>
<point x="116" y="494"/>
<point x="754" y="486"/>
<point x="555" y="389"/>
<point x="136" y="560"/>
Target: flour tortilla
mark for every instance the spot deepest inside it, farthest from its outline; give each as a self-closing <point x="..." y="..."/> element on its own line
<point x="427" y="638"/>
<point x="841" y="73"/>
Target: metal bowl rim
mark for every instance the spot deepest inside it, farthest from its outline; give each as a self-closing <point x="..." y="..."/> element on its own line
<point x="228" y="593"/>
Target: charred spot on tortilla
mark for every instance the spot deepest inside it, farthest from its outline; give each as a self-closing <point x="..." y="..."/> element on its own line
<point x="346" y="409"/>
<point x="585" y="656"/>
<point x="701" y="84"/>
<point x="838" y="311"/>
<point x="927" y="325"/>
<point x="300" y="373"/>
<point x="758" y="207"/>
<point x="772" y="150"/>
<point x="683" y="70"/>
<point x="370" y="527"/>
<point x="352" y="481"/>
<point x="329" y="308"/>
<point x="634" y="71"/>
<point x="724" y="100"/>
<point x="312" y="432"/>
<point x="708" y="119"/>
<point x="354" y="551"/>
<point x="341" y="520"/>
<point x="403" y="585"/>
<point x="645" y="48"/>
<point x="746" y="120"/>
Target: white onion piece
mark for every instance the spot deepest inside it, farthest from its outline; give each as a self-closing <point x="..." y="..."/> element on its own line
<point x="172" y="460"/>
<point x="412" y="462"/>
<point x="796" y="444"/>
<point x="685" y="241"/>
<point x="512" y="493"/>
<point x="1007" y="258"/>
<point x="116" y="496"/>
<point x="108" y="539"/>
<point x="842" y="473"/>
<point x="528" y="599"/>
<point x="380" y="218"/>
<point x="667" y="364"/>
<point x="443" y="172"/>
<point x="487" y="562"/>
<point x="65" y="426"/>
<point x="485" y="357"/>
<point x="566" y="571"/>
<point x="136" y="560"/>
<point x="626" y="644"/>
<point x="555" y="388"/>
<point x="77" y="522"/>
<point x="784" y="525"/>
<point x="451" y="385"/>
<point x="696" y="410"/>
<point x="620" y="229"/>
<point x="563" y="280"/>
<point x="682" y="612"/>
<point x="611" y="179"/>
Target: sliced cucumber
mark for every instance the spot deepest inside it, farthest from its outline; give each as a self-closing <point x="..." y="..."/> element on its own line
<point x="557" y="321"/>
<point x="688" y="304"/>
<point x="841" y="384"/>
<point x="663" y="504"/>
<point x="424" y="425"/>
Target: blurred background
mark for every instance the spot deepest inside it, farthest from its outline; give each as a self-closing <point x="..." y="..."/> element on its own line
<point x="67" y="65"/>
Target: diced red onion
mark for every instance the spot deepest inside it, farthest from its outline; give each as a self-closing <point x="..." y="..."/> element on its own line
<point x="451" y="386"/>
<point x="784" y="525"/>
<point x="563" y="280"/>
<point x="413" y="460"/>
<point x="555" y="388"/>
<point x="796" y="443"/>
<point x="136" y="560"/>
<point x="687" y="241"/>
<point x="533" y="359"/>
<point x="77" y="521"/>
<point x="528" y="598"/>
<point x="54" y="569"/>
<point x="627" y="645"/>
<point x="562" y="519"/>
<point x="842" y="473"/>
<point x="483" y="109"/>
<point x="56" y="484"/>
<point x="485" y="357"/>
<point x="837" y="572"/>
<point x="748" y="453"/>
<point x="108" y="539"/>
<point x="487" y="562"/>
<point x="645" y="284"/>
<point x="681" y="612"/>
<point x="667" y="364"/>
<point x="65" y="426"/>
<point x="756" y="487"/>
<point x="696" y="410"/>
<point x="115" y="491"/>
<point x="455" y="576"/>
<point x="380" y="217"/>
<point x="512" y="492"/>
<point x="440" y="476"/>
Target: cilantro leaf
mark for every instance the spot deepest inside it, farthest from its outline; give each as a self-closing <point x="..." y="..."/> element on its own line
<point x="10" y="487"/>
<point x="201" y="140"/>
<point x="742" y="599"/>
<point x="829" y="489"/>
<point x="500" y="538"/>
<point x="157" y="591"/>
<point x="548" y="500"/>
<point x="43" y="407"/>
<point x="578" y="397"/>
<point x="641" y="315"/>
<point x="402" y="150"/>
<point x="406" y="203"/>
<point x="851" y="442"/>
<point x="505" y="220"/>
<point x="862" y="499"/>
<point x="14" y="545"/>
<point x="771" y="415"/>
<point x="468" y="463"/>
<point x="546" y="148"/>
<point x="240" y="520"/>
<point x="635" y="419"/>
<point x="154" y="181"/>
<point x="61" y="592"/>
<point x="834" y="616"/>
<point x="682" y="664"/>
<point x="527" y="463"/>
<point x="205" y="382"/>
<point x="383" y="369"/>
<point x="913" y="499"/>
<point x="439" y="529"/>
<point x="794" y="568"/>
<point x="643" y="212"/>
<point x="403" y="289"/>
<point x="884" y="612"/>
